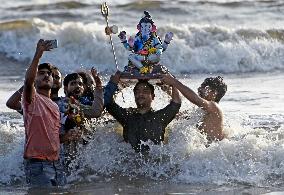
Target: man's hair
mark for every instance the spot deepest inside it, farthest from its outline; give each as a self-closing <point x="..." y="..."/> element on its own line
<point x="55" y="68"/>
<point x="47" y="66"/>
<point x="71" y="77"/>
<point x="217" y="84"/>
<point x="146" y="83"/>
<point x="84" y="77"/>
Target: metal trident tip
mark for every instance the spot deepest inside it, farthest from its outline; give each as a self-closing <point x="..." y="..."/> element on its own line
<point x="104" y="9"/>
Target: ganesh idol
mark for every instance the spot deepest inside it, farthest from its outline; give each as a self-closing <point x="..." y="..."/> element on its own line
<point x="146" y="47"/>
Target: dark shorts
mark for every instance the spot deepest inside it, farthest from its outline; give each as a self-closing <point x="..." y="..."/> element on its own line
<point x="44" y="173"/>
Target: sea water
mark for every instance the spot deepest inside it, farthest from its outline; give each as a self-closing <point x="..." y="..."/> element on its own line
<point x="239" y="40"/>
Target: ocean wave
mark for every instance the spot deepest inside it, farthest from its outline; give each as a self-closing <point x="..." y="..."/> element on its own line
<point x="195" y="48"/>
<point x="16" y="24"/>
<point x="151" y="4"/>
<point x="239" y="3"/>
<point x="51" y="6"/>
<point x="206" y="49"/>
<point x="272" y="34"/>
<point x="141" y="5"/>
<point x="277" y="34"/>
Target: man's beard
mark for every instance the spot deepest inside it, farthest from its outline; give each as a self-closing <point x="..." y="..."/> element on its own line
<point x="43" y="85"/>
<point x="140" y="104"/>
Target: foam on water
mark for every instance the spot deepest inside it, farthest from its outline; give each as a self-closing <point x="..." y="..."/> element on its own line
<point x="11" y="153"/>
<point x="251" y="156"/>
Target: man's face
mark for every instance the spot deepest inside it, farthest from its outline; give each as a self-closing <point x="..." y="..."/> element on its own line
<point x="75" y="88"/>
<point x="57" y="83"/>
<point x="146" y="30"/>
<point x="205" y="92"/>
<point x="44" y="79"/>
<point x="143" y="96"/>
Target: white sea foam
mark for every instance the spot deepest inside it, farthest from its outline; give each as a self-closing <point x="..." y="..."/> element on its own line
<point x="11" y="153"/>
<point x="249" y="157"/>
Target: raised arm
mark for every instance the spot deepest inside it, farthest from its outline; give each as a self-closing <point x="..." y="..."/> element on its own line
<point x="167" y="114"/>
<point x="175" y="95"/>
<point x="119" y="113"/>
<point x="186" y="91"/>
<point x="29" y="89"/>
<point x="14" y="102"/>
<point x="97" y="106"/>
<point x="111" y="88"/>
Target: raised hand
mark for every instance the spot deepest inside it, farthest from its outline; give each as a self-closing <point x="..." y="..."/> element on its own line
<point x="42" y="46"/>
<point x="96" y="77"/>
<point x="167" y="79"/>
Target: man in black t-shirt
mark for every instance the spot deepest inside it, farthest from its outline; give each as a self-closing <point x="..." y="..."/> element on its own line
<point x="141" y="123"/>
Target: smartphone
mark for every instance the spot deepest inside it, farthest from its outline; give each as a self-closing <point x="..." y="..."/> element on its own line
<point x="54" y="43"/>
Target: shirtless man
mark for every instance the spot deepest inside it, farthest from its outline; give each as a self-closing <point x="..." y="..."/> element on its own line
<point x="210" y="93"/>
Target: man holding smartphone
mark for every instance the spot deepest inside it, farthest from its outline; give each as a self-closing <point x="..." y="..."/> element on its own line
<point x="42" y="123"/>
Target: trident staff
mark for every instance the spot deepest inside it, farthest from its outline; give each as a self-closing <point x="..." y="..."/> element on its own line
<point x="105" y="11"/>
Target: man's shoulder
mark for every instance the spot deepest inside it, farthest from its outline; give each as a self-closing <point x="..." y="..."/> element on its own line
<point x="171" y="109"/>
<point x="40" y="99"/>
<point x="174" y="105"/>
<point x="214" y="107"/>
